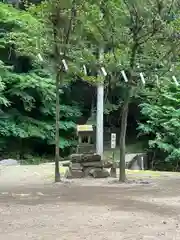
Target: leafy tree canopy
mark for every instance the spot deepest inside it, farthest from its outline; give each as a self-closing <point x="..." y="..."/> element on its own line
<point x="27" y="101"/>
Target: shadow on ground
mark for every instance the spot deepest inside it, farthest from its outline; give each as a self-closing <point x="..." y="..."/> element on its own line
<point x="124" y="198"/>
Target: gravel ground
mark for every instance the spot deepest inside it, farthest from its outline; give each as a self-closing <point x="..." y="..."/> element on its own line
<point x="32" y="207"/>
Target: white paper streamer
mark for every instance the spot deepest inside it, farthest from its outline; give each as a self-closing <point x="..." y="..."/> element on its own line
<point x="124" y="76"/>
<point x="157" y="80"/>
<point x="104" y="71"/>
<point x="175" y="80"/>
<point x="65" y="65"/>
<point x="40" y="57"/>
<point x="142" y="78"/>
<point x="85" y="70"/>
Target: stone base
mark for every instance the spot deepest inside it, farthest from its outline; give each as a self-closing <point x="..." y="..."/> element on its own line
<point x="87" y="170"/>
<point x="75" y="174"/>
<point x="99" y="173"/>
<point x="76" y="166"/>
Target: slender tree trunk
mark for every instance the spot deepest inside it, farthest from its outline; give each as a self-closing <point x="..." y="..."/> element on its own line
<point x="124" y="118"/>
<point x="122" y="142"/>
<point x="62" y="28"/>
<point x="57" y="139"/>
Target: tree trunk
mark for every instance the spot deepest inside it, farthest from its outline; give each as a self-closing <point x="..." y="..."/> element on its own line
<point x="57" y="139"/>
<point x="122" y="162"/>
<point x="124" y="116"/>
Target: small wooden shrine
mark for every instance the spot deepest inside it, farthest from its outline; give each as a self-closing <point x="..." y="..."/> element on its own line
<point x="86" y="140"/>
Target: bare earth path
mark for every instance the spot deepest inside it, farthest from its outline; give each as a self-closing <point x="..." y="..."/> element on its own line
<point x="31" y="207"/>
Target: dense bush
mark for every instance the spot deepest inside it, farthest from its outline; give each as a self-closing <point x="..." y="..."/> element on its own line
<point x="162" y="125"/>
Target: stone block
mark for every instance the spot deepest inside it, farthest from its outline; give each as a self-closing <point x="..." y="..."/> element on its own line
<point x="90" y="158"/>
<point x="136" y="162"/>
<point x="76" y="166"/>
<point x="87" y="171"/>
<point x="77" y="174"/>
<point x="92" y="164"/>
<point x="76" y="158"/>
<point x="99" y="173"/>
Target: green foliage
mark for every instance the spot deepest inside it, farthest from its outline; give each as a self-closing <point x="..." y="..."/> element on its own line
<point x="31" y="110"/>
<point x="162" y="123"/>
<point x="27" y="95"/>
<point x="21" y="30"/>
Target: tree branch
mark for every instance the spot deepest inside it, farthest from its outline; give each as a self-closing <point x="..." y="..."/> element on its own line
<point x="73" y="14"/>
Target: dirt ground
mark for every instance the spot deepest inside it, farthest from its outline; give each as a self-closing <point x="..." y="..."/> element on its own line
<point x="32" y="207"/>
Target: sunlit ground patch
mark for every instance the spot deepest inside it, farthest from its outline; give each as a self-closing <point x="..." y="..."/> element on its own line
<point x="152" y="174"/>
<point x="141" y="172"/>
<point x="63" y="172"/>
